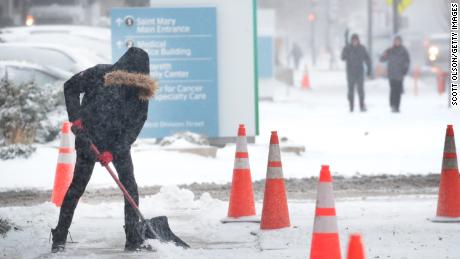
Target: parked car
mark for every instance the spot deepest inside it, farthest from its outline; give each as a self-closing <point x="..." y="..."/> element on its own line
<point x="94" y="39"/>
<point x="72" y="60"/>
<point x="24" y="72"/>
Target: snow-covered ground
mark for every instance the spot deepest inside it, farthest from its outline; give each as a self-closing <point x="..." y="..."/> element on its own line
<point x="395" y="227"/>
<point x="376" y="142"/>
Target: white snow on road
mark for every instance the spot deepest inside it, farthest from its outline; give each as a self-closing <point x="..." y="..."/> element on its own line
<point x="392" y="227"/>
<point x="376" y="142"/>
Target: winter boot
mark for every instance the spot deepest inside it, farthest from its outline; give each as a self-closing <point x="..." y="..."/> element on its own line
<point x="59" y="240"/>
<point x="135" y="240"/>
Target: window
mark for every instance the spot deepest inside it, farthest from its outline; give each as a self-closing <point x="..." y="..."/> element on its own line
<point x="21" y="75"/>
<point x="39" y="56"/>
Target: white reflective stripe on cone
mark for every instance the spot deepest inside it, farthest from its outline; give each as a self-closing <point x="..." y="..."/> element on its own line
<point x="449" y="145"/>
<point x="66" y="158"/>
<point x="325" y="224"/>
<point x="274" y="153"/>
<point x="72" y="140"/>
<point x="449" y="163"/>
<point x="241" y="163"/>
<point x="275" y="173"/>
<point x="67" y="140"/>
<point x="241" y="144"/>
<point x="325" y="197"/>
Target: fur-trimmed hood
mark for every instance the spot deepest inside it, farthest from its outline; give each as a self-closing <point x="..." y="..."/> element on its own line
<point x="147" y="86"/>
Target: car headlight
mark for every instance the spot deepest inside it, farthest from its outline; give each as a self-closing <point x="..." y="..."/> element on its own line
<point x="433" y="52"/>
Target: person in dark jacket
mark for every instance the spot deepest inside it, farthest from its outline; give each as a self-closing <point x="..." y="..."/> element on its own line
<point x="296" y="54"/>
<point x="398" y="66"/>
<point x="355" y="55"/>
<point x="110" y="115"/>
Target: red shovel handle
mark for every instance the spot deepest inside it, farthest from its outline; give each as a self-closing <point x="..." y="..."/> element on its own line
<point x="120" y="185"/>
<point x="127" y="195"/>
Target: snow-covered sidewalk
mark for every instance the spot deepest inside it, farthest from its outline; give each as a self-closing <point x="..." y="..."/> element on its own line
<point x="392" y="227"/>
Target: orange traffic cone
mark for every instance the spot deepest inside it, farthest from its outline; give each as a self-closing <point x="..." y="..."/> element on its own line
<point x="241" y="206"/>
<point x="65" y="165"/>
<point x="416" y="77"/>
<point x="355" y="247"/>
<point x="325" y="241"/>
<point x="305" y="81"/>
<point x="441" y="78"/>
<point x="275" y="212"/>
<point x="449" y="185"/>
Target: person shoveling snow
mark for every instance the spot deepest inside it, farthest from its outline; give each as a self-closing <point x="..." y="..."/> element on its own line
<point x="109" y="118"/>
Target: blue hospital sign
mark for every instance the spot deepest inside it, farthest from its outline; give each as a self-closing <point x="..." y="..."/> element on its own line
<point x="265" y="56"/>
<point x="182" y="46"/>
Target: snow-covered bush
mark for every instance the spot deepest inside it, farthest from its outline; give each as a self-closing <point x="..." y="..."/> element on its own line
<point x="16" y="150"/>
<point x="25" y="111"/>
<point x="5" y="226"/>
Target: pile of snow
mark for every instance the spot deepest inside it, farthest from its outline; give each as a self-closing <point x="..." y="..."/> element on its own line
<point x="97" y="226"/>
<point x="184" y="139"/>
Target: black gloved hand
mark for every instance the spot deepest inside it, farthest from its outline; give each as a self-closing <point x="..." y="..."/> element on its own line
<point x="77" y="127"/>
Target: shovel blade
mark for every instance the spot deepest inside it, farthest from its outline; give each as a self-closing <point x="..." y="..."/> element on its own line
<point x="161" y="226"/>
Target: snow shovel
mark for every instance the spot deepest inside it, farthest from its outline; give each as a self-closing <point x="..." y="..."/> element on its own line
<point x="155" y="228"/>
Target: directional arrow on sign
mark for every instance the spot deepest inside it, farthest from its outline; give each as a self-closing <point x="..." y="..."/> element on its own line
<point x="119" y="21"/>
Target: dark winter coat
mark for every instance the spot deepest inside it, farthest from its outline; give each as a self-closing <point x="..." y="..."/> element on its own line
<point x="398" y="62"/>
<point x="355" y="58"/>
<point x="115" y="101"/>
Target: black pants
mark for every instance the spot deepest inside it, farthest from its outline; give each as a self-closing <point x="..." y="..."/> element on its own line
<point x="396" y="89"/>
<point x="358" y="84"/>
<point x="83" y="170"/>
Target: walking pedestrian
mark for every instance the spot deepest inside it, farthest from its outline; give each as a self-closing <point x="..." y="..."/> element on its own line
<point x="355" y="55"/>
<point x="398" y="61"/>
<point x="296" y="54"/>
